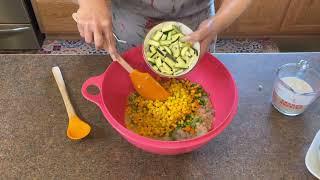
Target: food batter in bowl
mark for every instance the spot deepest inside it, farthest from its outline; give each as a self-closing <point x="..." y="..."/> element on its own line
<point x="186" y="114"/>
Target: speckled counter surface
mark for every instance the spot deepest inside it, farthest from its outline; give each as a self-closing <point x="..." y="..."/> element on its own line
<point x="259" y="144"/>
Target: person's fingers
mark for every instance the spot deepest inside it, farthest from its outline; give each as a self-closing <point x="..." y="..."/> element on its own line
<point x="87" y="34"/>
<point x="204" y="45"/>
<point x="110" y="41"/>
<point x="75" y="17"/>
<point x="203" y="49"/>
<point x="195" y="36"/>
<point x="98" y="38"/>
<point x="79" y="25"/>
<point x="81" y="30"/>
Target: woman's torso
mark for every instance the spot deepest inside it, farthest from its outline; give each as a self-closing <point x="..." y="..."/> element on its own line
<point x="132" y="19"/>
<point x="164" y="8"/>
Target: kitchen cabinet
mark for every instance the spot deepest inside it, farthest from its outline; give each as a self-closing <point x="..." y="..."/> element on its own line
<point x="302" y="16"/>
<point x="263" y="17"/>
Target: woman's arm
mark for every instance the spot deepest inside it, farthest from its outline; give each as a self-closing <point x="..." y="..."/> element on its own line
<point x="229" y="11"/>
<point x="207" y="31"/>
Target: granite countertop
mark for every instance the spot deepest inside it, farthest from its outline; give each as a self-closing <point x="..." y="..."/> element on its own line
<point x="260" y="143"/>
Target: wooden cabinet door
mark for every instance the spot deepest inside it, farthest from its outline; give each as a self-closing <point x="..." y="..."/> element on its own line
<point x="263" y="17"/>
<point x="303" y="16"/>
<point x="54" y="16"/>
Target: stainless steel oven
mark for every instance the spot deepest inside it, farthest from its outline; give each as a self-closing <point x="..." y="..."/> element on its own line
<point x="18" y="26"/>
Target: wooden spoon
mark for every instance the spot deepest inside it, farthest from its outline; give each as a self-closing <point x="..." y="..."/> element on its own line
<point x="143" y="83"/>
<point x="77" y="129"/>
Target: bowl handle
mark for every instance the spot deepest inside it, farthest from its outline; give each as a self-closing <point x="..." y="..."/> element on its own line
<point x="93" y="81"/>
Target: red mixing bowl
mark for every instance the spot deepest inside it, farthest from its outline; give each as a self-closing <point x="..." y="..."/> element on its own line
<point x="115" y="86"/>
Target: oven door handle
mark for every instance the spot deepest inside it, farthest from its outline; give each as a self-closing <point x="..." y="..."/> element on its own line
<point x="14" y="30"/>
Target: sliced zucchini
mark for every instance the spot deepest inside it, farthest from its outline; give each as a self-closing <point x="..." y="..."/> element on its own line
<point x="181" y="63"/>
<point x="155" y="67"/>
<point x="167" y="28"/>
<point x="175" y="50"/>
<point x="189" y="60"/>
<point x="151" y="60"/>
<point x="165" y="43"/>
<point x="161" y="51"/>
<point x="169" y="35"/>
<point x="191" y="50"/>
<point x="184" y="50"/>
<point x="178" y="72"/>
<point x="169" y="61"/>
<point x="159" y="54"/>
<point x="180" y="60"/>
<point x="163" y="70"/>
<point x="150" y="54"/>
<point x="163" y="37"/>
<point x="153" y="43"/>
<point x="153" y="49"/>
<point x="176" y="29"/>
<point x="186" y="59"/>
<point x="184" y="44"/>
<point x="166" y="66"/>
<point x="158" y="62"/>
<point x="176" y="37"/>
<point x="188" y="53"/>
<point x="175" y="69"/>
<point x="182" y="66"/>
<point x="181" y="44"/>
<point x="168" y="50"/>
<point x="157" y="36"/>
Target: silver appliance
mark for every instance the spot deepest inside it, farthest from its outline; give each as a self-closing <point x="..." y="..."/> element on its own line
<point x="18" y="26"/>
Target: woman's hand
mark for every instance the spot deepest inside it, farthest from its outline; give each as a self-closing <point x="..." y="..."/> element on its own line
<point x="205" y="34"/>
<point x="94" y="21"/>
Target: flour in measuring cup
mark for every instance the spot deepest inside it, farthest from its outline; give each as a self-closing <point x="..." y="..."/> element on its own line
<point x="297" y="84"/>
<point x="289" y="102"/>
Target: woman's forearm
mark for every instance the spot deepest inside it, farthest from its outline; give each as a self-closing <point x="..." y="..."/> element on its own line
<point x="229" y="11"/>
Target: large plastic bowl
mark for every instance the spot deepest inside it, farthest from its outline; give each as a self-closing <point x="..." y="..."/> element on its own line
<point x="115" y="86"/>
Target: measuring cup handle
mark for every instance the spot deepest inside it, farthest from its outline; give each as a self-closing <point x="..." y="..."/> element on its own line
<point x="93" y="81"/>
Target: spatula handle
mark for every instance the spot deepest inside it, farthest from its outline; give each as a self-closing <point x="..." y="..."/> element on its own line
<point x="122" y="62"/>
<point x="63" y="90"/>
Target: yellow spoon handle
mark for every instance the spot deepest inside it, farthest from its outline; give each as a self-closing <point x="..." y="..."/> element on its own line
<point x="63" y="90"/>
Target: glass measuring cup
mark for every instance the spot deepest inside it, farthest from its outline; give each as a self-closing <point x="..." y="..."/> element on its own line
<point x="296" y="86"/>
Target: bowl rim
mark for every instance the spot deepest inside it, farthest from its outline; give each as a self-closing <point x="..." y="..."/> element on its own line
<point x="196" y="45"/>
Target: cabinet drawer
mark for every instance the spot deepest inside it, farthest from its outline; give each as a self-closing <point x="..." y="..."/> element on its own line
<point x="13" y="11"/>
<point x="18" y="36"/>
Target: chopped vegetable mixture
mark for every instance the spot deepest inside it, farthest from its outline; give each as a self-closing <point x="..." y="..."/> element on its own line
<point x="185" y="114"/>
<point x="167" y="54"/>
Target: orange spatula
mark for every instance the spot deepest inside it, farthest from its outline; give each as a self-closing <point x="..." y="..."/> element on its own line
<point x="144" y="83"/>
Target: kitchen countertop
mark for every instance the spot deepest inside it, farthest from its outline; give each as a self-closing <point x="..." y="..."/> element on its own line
<point x="260" y="143"/>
